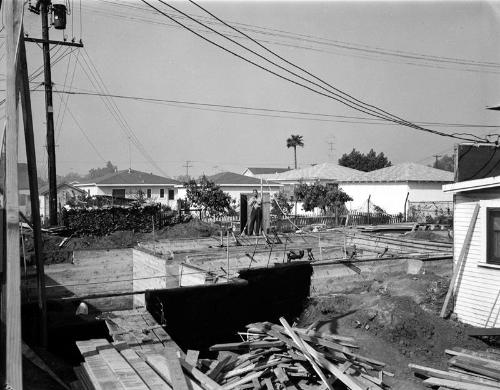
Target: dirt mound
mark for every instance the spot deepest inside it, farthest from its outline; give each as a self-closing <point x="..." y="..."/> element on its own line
<point x="415" y="332"/>
<point x="193" y="228"/>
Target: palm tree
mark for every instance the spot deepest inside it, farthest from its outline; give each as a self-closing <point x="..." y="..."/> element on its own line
<point x="293" y="142"/>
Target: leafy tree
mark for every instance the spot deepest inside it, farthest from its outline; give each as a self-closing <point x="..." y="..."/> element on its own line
<point x="364" y="162"/>
<point x="293" y="142"/>
<point x="99" y="172"/>
<point x="209" y="196"/>
<point x="280" y="204"/>
<point x="446" y="163"/>
<point x="327" y="197"/>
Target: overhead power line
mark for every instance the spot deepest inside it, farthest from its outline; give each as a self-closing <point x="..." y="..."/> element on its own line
<point x="356" y="49"/>
<point x="235" y="108"/>
<point x="343" y="100"/>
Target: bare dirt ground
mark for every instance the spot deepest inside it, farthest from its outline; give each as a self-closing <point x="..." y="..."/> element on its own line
<point x="396" y="321"/>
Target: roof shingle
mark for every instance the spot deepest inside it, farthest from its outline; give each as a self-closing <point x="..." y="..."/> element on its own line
<point x="230" y="178"/>
<point x="130" y="177"/>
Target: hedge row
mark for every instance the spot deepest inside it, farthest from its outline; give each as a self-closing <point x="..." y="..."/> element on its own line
<point x="103" y="221"/>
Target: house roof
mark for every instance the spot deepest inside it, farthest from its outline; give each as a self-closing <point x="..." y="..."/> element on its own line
<point x="408" y="172"/>
<point x="130" y="177"/>
<point x="472" y="185"/>
<point x="324" y="171"/>
<point x="45" y="189"/>
<point x="235" y="179"/>
<point x="267" y="171"/>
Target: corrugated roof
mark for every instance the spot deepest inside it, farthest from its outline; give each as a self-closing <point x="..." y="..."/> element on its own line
<point x="130" y="177"/>
<point x="267" y="171"/>
<point x="324" y="171"/>
<point x="408" y="172"/>
<point x="231" y="178"/>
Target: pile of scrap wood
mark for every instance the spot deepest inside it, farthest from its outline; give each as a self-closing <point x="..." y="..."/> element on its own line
<point x="468" y="370"/>
<point x="274" y="357"/>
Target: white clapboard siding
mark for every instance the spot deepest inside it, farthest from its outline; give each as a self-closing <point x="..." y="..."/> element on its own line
<point x="477" y="294"/>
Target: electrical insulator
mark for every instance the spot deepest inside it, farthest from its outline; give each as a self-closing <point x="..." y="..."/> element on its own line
<point x="59" y="16"/>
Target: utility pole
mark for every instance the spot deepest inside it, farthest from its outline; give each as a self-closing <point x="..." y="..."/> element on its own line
<point x="49" y="114"/>
<point x="436" y="156"/>
<point x="187" y="166"/>
<point x="44" y="7"/>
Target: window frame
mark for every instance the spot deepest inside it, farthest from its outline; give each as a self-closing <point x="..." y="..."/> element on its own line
<point x="171" y="191"/>
<point x="119" y="189"/>
<point x="148" y="193"/>
<point x="162" y="193"/>
<point x="490" y="258"/>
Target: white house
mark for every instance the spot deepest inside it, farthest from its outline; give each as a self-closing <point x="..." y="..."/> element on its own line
<point x="395" y="187"/>
<point x="235" y="184"/>
<point x="264" y="173"/>
<point x="130" y="183"/>
<point x="65" y="192"/>
<point x="477" y="255"/>
<point x="388" y="188"/>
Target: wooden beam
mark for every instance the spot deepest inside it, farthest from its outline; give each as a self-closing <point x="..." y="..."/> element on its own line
<point x="24" y="87"/>
<point x="11" y="281"/>
<point x="461" y="259"/>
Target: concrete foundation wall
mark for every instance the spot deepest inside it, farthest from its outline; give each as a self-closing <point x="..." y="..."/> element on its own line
<point x="337" y="278"/>
<point x="92" y="272"/>
<point x="149" y="272"/>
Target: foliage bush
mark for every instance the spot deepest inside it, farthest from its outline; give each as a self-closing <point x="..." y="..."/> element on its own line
<point x="101" y="221"/>
<point x="326" y="197"/>
<point x="208" y="196"/>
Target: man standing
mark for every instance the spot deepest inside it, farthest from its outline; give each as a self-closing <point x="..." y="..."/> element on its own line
<point x="256" y="214"/>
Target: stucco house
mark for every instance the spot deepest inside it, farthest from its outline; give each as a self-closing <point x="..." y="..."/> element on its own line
<point x="264" y="173"/>
<point x="476" y="248"/>
<point x="396" y="187"/>
<point x="65" y="192"/>
<point x="393" y="188"/>
<point x="130" y="183"/>
<point x="235" y="184"/>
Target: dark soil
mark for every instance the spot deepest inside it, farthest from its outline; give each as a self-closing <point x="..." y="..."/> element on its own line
<point x="54" y="254"/>
<point x="396" y="321"/>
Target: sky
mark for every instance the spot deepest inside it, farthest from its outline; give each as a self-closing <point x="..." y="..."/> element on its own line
<point x="137" y="52"/>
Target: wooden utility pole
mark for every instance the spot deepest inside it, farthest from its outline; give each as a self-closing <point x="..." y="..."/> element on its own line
<point x="11" y="368"/>
<point x="24" y="89"/>
<point x="49" y="114"/>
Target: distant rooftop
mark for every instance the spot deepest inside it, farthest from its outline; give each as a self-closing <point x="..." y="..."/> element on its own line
<point x="408" y="172"/>
<point x="267" y="171"/>
<point x="324" y="171"/>
<point x="231" y="178"/>
<point x="130" y="177"/>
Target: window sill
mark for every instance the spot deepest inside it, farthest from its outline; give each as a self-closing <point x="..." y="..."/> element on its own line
<point x="487" y="265"/>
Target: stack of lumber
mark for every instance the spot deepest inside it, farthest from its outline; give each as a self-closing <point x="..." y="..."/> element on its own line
<point x="467" y="370"/>
<point x="276" y="357"/>
<point x="271" y="357"/>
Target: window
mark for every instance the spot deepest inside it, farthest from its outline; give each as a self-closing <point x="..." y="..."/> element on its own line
<point x="493" y="235"/>
<point x="170" y="194"/>
<point x="148" y="193"/>
<point x="118" y="192"/>
<point x="162" y="192"/>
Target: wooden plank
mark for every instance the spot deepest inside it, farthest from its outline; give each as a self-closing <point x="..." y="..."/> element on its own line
<point x="490" y="373"/>
<point x="433" y="382"/>
<point x="483" y="332"/>
<point x="470" y="356"/>
<point x="301" y="346"/>
<point x="461" y="259"/>
<point x="177" y="378"/>
<point x="101" y="375"/>
<point x="125" y="373"/>
<point x="192" y="357"/>
<point x="434" y="373"/>
<point x="148" y="375"/>
<point x="205" y="381"/>
<point x="246" y="379"/>
<point x="159" y="364"/>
